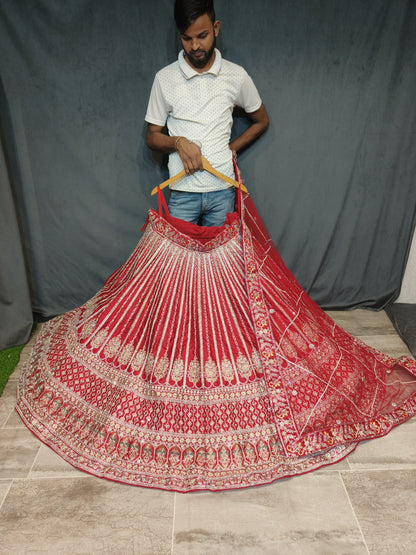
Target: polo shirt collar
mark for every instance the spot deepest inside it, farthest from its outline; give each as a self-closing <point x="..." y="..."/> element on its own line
<point x="190" y="72"/>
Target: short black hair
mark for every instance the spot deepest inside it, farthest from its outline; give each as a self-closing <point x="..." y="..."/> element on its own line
<point x="187" y="11"/>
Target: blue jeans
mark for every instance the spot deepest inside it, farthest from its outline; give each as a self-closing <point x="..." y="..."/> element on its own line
<point x="208" y="209"/>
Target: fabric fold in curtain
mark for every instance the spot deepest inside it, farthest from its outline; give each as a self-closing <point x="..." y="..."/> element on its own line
<point x="15" y="303"/>
<point x="333" y="178"/>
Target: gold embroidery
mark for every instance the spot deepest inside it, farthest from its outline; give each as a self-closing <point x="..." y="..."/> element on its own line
<point x="177" y="370"/>
<point x="256" y="361"/>
<point x="210" y="371"/>
<point x="161" y="455"/>
<point x="227" y="370"/>
<point x="161" y="368"/>
<point x="111" y="348"/>
<point x="243" y="366"/>
<point x="99" y="339"/>
<point x="194" y="371"/>
<point x="138" y="362"/>
<point x="297" y="339"/>
<point x="224" y="457"/>
<point x="174" y="456"/>
<point x="149" y="365"/>
<point x="126" y="354"/>
<point x="147" y="453"/>
<point x="88" y="328"/>
<point x="287" y="348"/>
<point x="237" y="455"/>
<point x="89" y="308"/>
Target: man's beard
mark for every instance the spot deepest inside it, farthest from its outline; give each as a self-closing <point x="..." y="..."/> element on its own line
<point x="199" y="63"/>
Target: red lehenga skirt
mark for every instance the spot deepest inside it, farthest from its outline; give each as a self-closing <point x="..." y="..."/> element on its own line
<point x="203" y="365"/>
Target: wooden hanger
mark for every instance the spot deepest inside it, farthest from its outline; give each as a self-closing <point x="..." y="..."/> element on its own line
<point x="207" y="166"/>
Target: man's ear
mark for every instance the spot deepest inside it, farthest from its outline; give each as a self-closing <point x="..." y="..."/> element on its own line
<point x="216" y="27"/>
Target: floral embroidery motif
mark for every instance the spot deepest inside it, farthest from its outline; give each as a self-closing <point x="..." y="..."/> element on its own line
<point x="177" y="370"/>
<point x="126" y="354"/>
<point x="112" y="347"/>
<point x="138" y="362"/>
<point x="227" y="370"/>
<point x="99" y="338"/>
<point x="88" y="328"/>
<point x="161" y="368"/>
<point x="210" y="371"/>
<point x="243" y="366"/>
<point x="194" y="372"/>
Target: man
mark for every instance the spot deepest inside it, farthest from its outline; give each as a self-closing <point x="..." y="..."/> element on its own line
<point x="195" y="97"/>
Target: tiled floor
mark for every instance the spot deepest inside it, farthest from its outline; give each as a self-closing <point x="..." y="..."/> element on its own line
<point x="364" y="504"/>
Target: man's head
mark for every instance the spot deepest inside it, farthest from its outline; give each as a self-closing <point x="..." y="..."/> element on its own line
<point x="198" y="29"/>
<point x="187" y="12"/>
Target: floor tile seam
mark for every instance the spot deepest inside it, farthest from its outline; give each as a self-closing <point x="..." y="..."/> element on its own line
<point x="348" y="463"/>
<point x="397" y="468"/>
<point x="377" y="334"/>
<point x="7" y="493"/>
<point x="3" y="426"/>
<point x="67" y="476"/>
<point x="21" y="424"/>
<point x="387" y="335"/>
<point x="34" y="461"/>
<point x="173" y="524"/>
<point x="354" y="514"/>
<point x="409" y="466"/>
<point x="35" y="478"/>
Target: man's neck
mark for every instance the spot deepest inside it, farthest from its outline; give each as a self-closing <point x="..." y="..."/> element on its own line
<point x="206" y="67"/>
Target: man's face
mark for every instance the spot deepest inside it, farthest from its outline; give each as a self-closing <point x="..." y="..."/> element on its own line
<point x="198" y="42"/>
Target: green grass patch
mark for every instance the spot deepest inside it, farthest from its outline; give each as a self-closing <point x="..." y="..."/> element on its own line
<point x="8" y="362"/>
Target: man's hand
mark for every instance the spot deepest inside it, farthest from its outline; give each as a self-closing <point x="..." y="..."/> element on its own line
<point x="190" y="154"/>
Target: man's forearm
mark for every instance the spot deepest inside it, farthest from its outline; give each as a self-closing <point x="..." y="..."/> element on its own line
<point x="156" y="140"/>
<point x="247" y="137"/>
<point x="259" y="124"/>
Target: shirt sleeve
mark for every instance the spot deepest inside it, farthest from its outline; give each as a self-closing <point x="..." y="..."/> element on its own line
<point x="248" y="97"/>
<point x="157" y="108"/>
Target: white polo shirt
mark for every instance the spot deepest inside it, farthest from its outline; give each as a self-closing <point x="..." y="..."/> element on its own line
<point x="199" y="106"/>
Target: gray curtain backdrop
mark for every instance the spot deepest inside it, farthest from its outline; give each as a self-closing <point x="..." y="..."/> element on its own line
<point x="15" y="306"/>
<point x="333" y="178"/>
